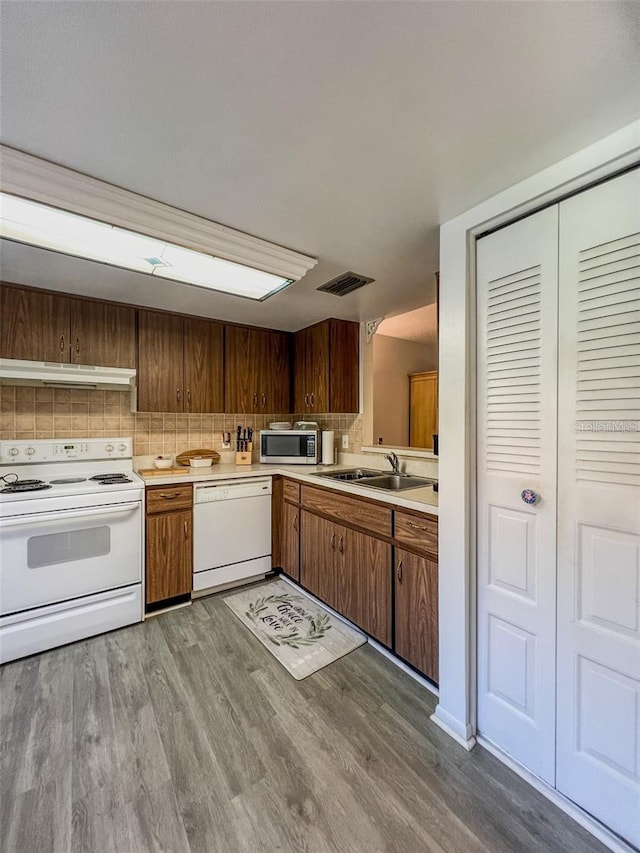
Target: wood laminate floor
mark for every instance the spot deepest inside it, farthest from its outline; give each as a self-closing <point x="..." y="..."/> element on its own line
<point x="184" y="734"/>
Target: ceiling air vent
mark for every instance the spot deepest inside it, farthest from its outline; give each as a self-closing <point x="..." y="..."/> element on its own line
<point x="345" y="283"/>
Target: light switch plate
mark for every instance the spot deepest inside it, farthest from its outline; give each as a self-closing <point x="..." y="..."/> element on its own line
<point x="345" y="442"/>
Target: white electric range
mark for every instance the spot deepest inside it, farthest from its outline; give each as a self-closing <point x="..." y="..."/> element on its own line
<point x="71" y="540"/>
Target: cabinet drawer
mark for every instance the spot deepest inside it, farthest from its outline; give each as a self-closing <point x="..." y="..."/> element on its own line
<point x="352" y="511"/>
<point x="417" y="531"/>
<point x="291" y="491"/>
<point x="165" y="498"/>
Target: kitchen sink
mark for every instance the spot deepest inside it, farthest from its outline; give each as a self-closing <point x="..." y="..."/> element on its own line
<point x="353" y="475"/>
<point x="397" y="482"/>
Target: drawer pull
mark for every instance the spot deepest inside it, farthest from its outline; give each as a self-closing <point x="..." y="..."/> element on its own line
<point x="168" y="496"/>
<point x="399" y="572"/>
<point x="418" y="527"/>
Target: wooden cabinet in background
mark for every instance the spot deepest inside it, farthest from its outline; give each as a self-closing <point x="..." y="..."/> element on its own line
<point x="169" y="542"/>
<point x="423" y="403"/>
<point x="257" y="369"/>
<point x="326" y="367"/>
<point x="179" y="363"/>
<point x="44" y="326"/>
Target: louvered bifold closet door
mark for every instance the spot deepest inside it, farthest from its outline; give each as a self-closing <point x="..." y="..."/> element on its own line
<point x="598" y="750"/>
<point x="516" y="382"/>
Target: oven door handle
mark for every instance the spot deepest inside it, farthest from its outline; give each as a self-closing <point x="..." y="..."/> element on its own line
<point x="63" y="515"/>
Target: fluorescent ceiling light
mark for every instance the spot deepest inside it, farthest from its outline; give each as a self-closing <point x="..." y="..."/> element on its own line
<point x="71" y="234"/>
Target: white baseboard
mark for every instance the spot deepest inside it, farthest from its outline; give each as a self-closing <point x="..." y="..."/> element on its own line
<point x="460" y="733"/>
<point x="593" y="826"/>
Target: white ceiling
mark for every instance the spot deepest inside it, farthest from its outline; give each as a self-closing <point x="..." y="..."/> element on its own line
<point x="348" y="131"/>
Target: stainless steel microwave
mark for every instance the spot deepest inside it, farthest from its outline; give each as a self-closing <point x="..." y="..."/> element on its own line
<point x="289" y="446"/>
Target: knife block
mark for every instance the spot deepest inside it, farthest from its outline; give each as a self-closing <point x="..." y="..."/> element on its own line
<point x="243" y="457"/>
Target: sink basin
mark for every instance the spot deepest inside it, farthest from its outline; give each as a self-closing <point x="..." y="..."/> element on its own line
<point x="397" y="482"/>
<point x="353" y="475"/>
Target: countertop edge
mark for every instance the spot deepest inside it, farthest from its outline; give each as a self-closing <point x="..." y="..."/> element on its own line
<point x="422" y="503"/>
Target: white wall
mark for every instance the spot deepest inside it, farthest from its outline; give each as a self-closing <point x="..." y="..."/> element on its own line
<point x="393" y="360"/>
<point x="456" y="709"/>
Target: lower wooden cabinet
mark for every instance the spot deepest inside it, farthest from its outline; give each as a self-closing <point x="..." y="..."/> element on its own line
<point x="290" y="543"/>
<point x="350" y="571"/>
<point x="317" y="550"/>
<point x="416" y="611"/>
<point x="169" y="540"/>
<point x="363" y="582"/>
<point x="379" y="571"/>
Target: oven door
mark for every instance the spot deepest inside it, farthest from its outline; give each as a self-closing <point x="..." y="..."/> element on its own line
<point x="57" y="556"/>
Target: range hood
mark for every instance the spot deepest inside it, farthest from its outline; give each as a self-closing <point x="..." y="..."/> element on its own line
<point x="15" y="371"/>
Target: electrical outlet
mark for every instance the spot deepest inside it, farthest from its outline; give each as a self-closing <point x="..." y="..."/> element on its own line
<point x="345" y="442"/>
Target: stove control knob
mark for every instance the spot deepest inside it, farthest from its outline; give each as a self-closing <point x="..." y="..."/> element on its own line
<point x="30" y="451"/>
<point x="122" y="447"/>
<point x="109" y="448"/>
<point x="14" y="451"/>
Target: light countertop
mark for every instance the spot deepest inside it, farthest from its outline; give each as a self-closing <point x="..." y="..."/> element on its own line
<point x="423" y="498"/>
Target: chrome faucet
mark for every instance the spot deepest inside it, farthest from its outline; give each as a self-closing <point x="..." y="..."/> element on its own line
<point x="392" y="459"/>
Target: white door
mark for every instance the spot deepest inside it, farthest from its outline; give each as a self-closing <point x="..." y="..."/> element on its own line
<point x="517" y="270"/>
<point x="598" y="738"/>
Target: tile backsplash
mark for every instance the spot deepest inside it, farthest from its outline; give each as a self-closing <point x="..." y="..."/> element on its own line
<point x="74" y="413"/>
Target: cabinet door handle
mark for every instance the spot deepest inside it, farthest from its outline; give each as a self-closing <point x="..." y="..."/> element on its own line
<point x="313" y="397"/>
<point x="189" y="397"/>
<point x="333" y="541"/>
<point x="61" y="343"/>
<point x="399" y="572"/>
<point x="186" y="530"/>
<point x="169" y="496"/>
<point x="255" y="399"/>
<point x="295" y="522"/>
<point x="341" y="545"/>
<point x="78" y="346"/>
<point x="418" y="527"/>
<point x="264" y="401"/>
<point x="177" y="395"/>
<point x="306" y="399"/>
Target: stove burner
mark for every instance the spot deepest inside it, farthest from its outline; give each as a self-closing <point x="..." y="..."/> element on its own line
<point x="26" y="486"/>
<point x="68" y="480"/>
<point x="111" y="479"/>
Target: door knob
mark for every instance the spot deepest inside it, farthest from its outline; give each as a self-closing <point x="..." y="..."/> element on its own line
<point x="529" y="496"/>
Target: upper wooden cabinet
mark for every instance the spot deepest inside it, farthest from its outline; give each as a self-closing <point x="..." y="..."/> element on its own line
<point x="179" y="363"/>
<point x="257" y="368"/>
<point x="45" y="326"/>
<point x="326" y="367"/>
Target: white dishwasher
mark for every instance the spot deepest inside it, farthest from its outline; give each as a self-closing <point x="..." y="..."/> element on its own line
<point x="231" y="532"/>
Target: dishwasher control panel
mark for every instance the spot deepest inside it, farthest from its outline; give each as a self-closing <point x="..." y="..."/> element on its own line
<point x="229" y="490"/>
